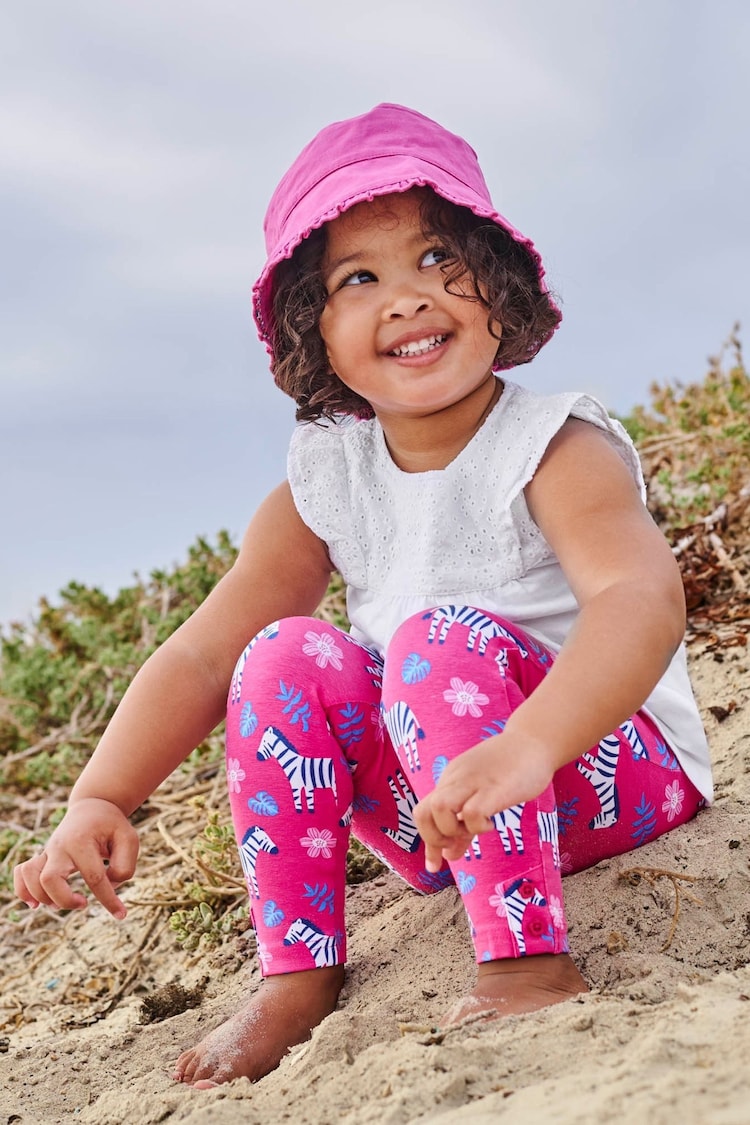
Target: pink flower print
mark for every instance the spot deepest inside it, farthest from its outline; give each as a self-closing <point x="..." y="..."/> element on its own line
<point x="556" y="912"/>
<point x="318" y="841"/>
<point x="465" y="696"/>
<point x="378" y="721"/>
<point x="324" y="648"/>
<point x="264" y="955"/>
<point x="674" y="798"/>
<point x="235" y="775"/>
<point x="566" y="863"/>
<point x="498" y="901"/>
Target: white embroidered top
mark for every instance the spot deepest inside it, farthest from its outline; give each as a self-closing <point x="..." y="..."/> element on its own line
<point x="407" y="542"/>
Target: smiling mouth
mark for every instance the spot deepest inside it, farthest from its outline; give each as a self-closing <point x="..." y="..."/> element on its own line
<point x="419" y="347"/>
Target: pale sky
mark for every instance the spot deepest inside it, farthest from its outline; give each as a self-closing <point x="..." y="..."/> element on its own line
<point x="140" y="142"/>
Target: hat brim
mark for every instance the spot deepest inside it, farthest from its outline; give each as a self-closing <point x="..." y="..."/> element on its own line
<point x="386" y="175"/>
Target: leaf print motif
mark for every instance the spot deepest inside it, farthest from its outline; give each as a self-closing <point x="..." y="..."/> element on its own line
<point x="645" y="821"/>
<point x="495" y="727"/>
<point x="362" y="803"/>
<point x="415" y="669"/>
<point x="273" y="915"/>
<point x="291" y="697"/>
<point x="438" y="766"/>
<point x="566" y="814"/>
<point x="668" y="760"/>
<point x="320" y="896"/>
<point x="466" y="883"/>
<point x="263" y="804"/>
<point x="435" y="880"/>
<point x="248" y="720"/>
<point x="351" y="730"/>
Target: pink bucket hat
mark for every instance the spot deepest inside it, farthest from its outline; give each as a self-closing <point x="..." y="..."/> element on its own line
<point x="388" y="150"/>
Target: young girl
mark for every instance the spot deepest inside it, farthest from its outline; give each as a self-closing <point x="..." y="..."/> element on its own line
<point x="512" y="702"/>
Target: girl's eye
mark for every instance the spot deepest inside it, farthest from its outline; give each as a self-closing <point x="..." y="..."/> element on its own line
<point x="435" y="257"/>
<point x="360" y="277"/>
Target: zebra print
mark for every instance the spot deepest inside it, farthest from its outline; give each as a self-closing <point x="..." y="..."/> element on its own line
<point x="405" y="835"/>
<point x="304" y="775"/>
<point x="637" y="745"/>
<point x="235" y="688"/>
<point x="254" y="841"/>
<point x="548" y="834"/>
<point x="404" y="730"/>
<point x="517" y="897"/>
<point x="322" y="947"/>
<point x="508" y="825"/>
<point x="479" y="625"/>
<point x="600" y="771"/>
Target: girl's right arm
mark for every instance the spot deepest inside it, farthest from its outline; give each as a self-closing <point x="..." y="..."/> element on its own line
<point x="173" y="703"/>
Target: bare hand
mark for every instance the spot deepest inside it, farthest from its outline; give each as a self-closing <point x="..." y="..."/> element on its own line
<point x="502" y="771"/>
<point x="94" y="838"/>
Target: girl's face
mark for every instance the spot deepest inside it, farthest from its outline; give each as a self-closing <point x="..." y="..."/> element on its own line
<point x="392" y="333"/>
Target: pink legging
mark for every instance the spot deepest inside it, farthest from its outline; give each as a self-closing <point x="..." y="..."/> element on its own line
<point x="324" y="739"/>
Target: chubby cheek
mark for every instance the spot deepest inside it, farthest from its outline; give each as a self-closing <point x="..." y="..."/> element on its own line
<point x="324" y="329"/>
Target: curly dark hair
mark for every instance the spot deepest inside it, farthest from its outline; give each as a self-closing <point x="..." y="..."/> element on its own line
<point x="502" y="273"/>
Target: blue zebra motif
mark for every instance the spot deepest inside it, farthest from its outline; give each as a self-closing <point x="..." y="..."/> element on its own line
<point x="405" y="835"/>
<point x="323" y="948"/>
<point x="235" y="689"/>
<point x="254" y="841"/>
<point x="548" y="832"/>
<point x="404" y="729"/>
<point x="518" y="897"/>
<point x="304" y="775"/>
<point x="480" y="627"/>
<point x="600" y="771"/>
<point x="507" y="824"/>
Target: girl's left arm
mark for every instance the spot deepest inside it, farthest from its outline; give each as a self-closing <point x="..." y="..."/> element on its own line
<point x="631" y="621"/>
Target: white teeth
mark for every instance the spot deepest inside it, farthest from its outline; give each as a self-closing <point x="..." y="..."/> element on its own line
<point x="419" y="347"/>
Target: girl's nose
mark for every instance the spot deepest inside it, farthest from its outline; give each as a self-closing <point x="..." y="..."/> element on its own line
<point x="405" y="301"/>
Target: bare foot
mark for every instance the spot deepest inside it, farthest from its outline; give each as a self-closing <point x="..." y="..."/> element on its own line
<point x="283" y="1012"/>
<point x="511" y="987"/>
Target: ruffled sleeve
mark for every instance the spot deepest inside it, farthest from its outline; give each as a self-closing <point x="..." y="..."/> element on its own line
<point x="531" y="421"/>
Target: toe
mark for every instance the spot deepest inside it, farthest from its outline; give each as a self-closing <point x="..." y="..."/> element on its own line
<point x="184" y="1068"/>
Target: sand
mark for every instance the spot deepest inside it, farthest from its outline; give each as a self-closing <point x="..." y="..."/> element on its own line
<point x="663" y="1036"/>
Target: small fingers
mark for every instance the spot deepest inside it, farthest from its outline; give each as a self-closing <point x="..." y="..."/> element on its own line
<point x="124" y="856"/>
<point x="36" y="882"/>
<point x="96" y="877"/>
<point x="26" y="881"/>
